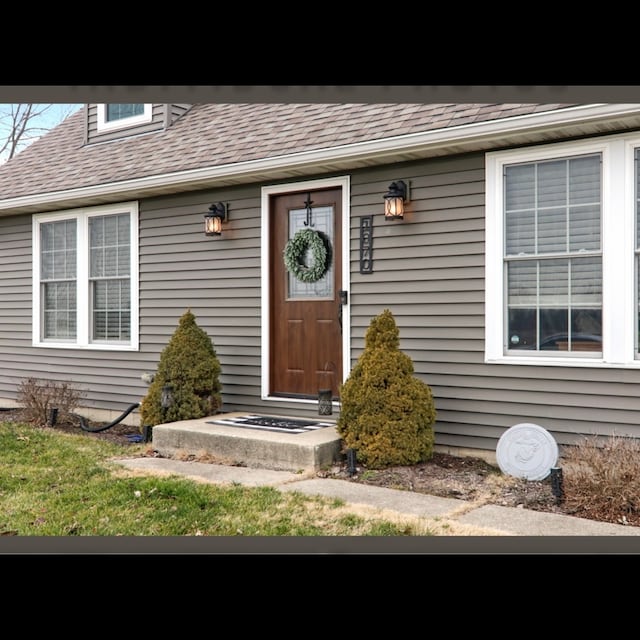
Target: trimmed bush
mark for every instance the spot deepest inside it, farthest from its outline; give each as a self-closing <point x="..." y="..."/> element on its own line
<point x="190" y="369"/>
<point x="387" y="413"/>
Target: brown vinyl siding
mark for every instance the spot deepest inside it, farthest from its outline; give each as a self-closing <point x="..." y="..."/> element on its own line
<point x="174" y="111"/>
<point x="108" y="379"/>
<point x="15" y="296"/>
<point x="180" y="268"/>
<point x="428" y="270"/>
<point x="217" y="278"/>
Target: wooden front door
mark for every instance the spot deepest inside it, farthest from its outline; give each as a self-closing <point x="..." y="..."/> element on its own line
<point x="305" y="318"/>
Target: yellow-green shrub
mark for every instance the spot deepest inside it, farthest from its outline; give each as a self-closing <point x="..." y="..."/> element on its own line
<point x="189" y="364"/>
<point x="386" y="413"/>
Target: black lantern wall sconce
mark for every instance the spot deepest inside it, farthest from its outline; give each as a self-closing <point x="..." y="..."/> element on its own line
<point x="395" y="199"/>
<point x="218" y="212"/>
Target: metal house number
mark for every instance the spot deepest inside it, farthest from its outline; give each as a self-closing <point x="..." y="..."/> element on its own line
<point x="366" y="244"/>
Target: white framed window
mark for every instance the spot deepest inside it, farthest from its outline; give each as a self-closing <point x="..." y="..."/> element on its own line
<point x="85" y="278"/>
<point x="117" y="116"/>
<point x="562" y="254"/>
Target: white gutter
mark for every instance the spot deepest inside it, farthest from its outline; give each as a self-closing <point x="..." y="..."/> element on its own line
<point x="375" y="148"/>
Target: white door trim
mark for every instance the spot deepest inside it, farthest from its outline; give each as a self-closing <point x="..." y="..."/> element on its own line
<point x="265" y="286"/>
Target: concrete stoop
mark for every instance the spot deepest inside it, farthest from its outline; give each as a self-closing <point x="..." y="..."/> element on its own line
<point x="296" y="452"/>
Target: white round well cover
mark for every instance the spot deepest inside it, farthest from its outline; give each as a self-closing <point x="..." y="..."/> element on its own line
<point x="527" y="451"/>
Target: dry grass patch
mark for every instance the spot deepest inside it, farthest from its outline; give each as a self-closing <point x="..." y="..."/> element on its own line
<point x="421" y="526"/>
<point x="601" y="480"/>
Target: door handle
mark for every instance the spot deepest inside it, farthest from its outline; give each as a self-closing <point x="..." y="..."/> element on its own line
<point x="343" y="296"/>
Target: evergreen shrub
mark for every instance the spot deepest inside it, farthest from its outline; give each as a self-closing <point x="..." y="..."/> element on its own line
<point x="190" y="367"/>
<point x="387" y="413"/>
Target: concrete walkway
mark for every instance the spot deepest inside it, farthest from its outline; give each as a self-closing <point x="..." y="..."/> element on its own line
<point x="494" y="520"/>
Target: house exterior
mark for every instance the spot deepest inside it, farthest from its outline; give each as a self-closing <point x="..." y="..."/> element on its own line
<point x="513" y="275"/>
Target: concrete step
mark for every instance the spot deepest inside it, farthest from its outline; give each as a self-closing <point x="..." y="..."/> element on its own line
<point x="277" y="450"/>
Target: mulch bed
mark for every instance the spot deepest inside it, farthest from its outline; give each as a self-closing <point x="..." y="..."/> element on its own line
<point x="119" y="434"/>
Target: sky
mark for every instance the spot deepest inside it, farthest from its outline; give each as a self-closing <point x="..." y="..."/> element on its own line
<point x="50" y="117"/>
<point x="57" y="112"/>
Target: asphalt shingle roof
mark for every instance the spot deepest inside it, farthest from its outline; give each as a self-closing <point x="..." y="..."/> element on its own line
<point x="210" y="135"/>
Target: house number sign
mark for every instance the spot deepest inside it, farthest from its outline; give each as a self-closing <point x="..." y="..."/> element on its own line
<point x="366" y="244"/>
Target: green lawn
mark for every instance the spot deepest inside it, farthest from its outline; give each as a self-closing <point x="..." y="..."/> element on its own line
<point x="58" y="484"/>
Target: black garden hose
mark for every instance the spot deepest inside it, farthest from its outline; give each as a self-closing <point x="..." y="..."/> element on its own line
<point x="83" y="424"/>
<point x="118" y="420"/>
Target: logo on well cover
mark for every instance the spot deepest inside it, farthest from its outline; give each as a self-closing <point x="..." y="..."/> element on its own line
<point x="527" y="451"/>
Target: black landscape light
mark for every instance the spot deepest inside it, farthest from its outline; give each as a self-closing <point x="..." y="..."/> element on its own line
<point x="325" y="406"/>
<point x="351" y="462"/>
<point x="166" y="397"/>
<point x="556" y="483"/>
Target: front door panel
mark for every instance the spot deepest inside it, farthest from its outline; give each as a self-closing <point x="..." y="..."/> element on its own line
<point x="306" y="336"/>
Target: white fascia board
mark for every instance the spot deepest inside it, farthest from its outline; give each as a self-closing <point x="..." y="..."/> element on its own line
<point x="375" y="148"/>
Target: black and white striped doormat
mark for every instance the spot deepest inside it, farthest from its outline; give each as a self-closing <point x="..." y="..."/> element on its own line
<point x="272" y="423"/>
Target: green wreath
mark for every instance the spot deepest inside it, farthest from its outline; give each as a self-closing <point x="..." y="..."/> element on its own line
<point x="295" y="250"/>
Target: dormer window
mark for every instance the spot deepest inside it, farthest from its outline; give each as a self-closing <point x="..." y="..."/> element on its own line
<point x="118" y="116"/>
